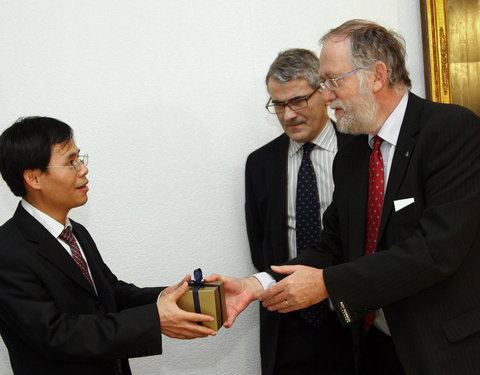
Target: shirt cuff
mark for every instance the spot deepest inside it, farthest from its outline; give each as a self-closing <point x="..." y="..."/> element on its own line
<point x="265" y="279"/>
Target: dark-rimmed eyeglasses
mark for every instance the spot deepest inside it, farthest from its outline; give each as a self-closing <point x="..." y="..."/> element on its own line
<point x="295" y="104"/>
<point x="332" y="83"/>
<point x="77" y="164"/>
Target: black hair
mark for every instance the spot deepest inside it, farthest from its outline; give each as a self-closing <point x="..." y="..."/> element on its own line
<point x="27" y="144"/>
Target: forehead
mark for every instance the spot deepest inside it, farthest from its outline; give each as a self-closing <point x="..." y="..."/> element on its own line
<point x="288" y="90"/>
<point x="335" y="58"/>
<point x="64" y="150"/>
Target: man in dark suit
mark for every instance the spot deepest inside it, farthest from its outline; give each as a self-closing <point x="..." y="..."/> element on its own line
<point x="412" y="266"/>
<point x="290" y="344"/>
<point x="62" y="311"/>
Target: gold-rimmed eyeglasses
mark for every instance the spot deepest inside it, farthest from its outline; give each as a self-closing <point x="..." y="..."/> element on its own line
<point x="77" y="164"/>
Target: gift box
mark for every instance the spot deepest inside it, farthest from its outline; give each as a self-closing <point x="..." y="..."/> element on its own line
<point x="205" y="298"/>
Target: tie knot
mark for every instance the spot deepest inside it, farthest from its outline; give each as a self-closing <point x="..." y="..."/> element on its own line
<point x="307" y="148"/>
<point x="377" y="141"/>
<point x="66" y="235"/>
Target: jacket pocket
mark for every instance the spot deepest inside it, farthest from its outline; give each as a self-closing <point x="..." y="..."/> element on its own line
<point x="462" y="326"/>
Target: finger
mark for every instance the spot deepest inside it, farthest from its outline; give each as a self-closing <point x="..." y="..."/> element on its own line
<point x="195" y="330"/>
<point x="276" y="299"/>
<point x="284" y="269"/>
<point x="214" y="277"/>
<point x="232" y="314"/>
<point x="185" y="279"/>
<point x="179" y="291"/>
<point x="189" y="331"/>
<point x="281" y="304"/>
<point x="230" y="321"/>
<point x="273" y="291"/>
<point x="282" y="309"/>
<point x="194" y="317"/>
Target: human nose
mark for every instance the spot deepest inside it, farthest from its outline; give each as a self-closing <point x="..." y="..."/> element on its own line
<point x="82" y="169"/>
<point x="289" y="113"/>
<point x="328" y="95"/>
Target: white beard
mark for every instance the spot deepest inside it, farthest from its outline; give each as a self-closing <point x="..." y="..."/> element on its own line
<point x="358" y="114"/>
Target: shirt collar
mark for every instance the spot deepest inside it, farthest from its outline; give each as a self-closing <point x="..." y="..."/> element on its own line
<point x="50" y="224"/>
<point x="326" y="140"/>
<point x="391" y="127"/>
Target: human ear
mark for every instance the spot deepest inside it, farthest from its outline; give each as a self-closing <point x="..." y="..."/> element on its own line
<point x="380" y="76"/>
<point x="31" y="178"/>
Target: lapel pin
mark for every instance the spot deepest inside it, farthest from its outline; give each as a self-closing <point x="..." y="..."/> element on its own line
<point x="407" y="154"/>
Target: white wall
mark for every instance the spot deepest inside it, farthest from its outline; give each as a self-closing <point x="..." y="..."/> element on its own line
<point x="167" y="98"/>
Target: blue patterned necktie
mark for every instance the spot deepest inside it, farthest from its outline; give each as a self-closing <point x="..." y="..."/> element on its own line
<point x="308" y="225"/>
<point x="307" y="211"/>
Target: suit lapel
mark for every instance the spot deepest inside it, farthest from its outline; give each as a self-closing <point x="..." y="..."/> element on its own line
<point x="358" y="197"/>
<point x="401" y="158"/>
<point x="341" y="137"/>
<point x="49" y="248"/>
<point x="95" y="264"/>
<point x="277" y="166"/>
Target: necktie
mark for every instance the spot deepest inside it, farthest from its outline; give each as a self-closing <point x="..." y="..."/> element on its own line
<point x="374" y="206"/>
<point x="307" y="211"/>
<point x="307" y="217"/>
<point x="67" y="236"/>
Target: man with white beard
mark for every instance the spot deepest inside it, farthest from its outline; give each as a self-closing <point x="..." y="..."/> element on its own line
<point x="399" y="253"/>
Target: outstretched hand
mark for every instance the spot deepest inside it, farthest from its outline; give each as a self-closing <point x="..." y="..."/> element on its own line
<point x="239" y="293"/>
<point x="304" y="286"/>
<point x="177" y="323"/>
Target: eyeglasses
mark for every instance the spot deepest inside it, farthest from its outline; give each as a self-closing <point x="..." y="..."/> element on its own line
<point x="332" y="83"/>
<point x="77" y="164"/>
<point x="295" y="104"/>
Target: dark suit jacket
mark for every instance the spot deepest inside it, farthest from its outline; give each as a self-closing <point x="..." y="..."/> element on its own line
<point x="425" y="274"/>
<point x="266" y="218"/>
<point x="51" y="320"/>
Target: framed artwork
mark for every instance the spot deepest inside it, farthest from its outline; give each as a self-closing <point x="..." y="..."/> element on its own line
<point x="451" y="40"/>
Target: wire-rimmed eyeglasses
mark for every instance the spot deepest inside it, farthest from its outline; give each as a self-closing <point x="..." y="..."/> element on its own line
<point x="332" y="83"/>
<point x="77" y="164"/>
<point x="294" y="104"/>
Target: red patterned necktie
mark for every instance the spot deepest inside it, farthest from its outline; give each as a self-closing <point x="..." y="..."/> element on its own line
<point x="374" y="206"/>
<point x="67" y="236"/>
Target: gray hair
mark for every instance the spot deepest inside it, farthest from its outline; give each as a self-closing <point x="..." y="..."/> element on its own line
<point x="369" y="43"/>
<point x="293" y="64"/>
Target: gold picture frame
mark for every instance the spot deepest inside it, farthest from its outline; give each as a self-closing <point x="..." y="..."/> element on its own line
<point x="451" y="40"/>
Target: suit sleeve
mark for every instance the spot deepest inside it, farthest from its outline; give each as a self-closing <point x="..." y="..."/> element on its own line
<point x="29" y="310"/>
<point x="254" y="222"/>
<point x="444" y="179"/>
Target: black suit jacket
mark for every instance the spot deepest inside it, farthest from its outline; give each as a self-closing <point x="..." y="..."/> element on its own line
<point x="425" y="274"/>
<point x="266" y="218"/>
<point x="51" y="320"/>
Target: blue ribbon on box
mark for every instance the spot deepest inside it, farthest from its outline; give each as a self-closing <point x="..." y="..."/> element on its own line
<point x="197" y="284"/>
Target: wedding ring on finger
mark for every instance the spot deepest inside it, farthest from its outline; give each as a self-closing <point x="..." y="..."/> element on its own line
<point x="286" y="303"/>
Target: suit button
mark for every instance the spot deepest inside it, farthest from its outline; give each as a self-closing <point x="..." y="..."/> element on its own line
<point x="100" y="307"/>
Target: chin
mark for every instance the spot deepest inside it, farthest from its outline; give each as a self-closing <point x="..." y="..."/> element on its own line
<point x="301" y="138"/>
<point x="81" y="202"/>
